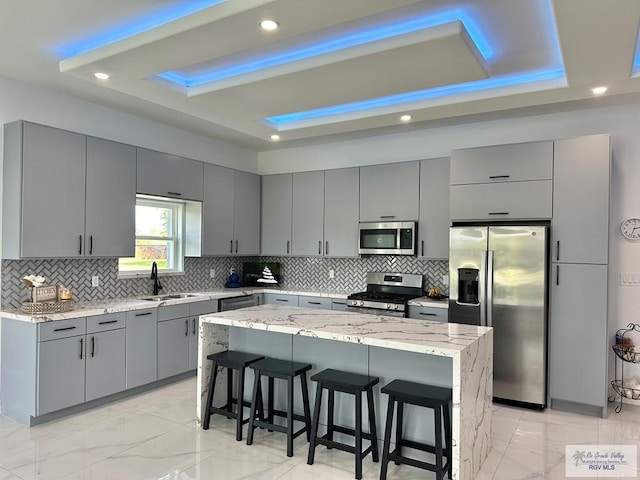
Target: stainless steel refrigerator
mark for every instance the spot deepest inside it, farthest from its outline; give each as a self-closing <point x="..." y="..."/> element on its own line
<point x="498" y="278"/>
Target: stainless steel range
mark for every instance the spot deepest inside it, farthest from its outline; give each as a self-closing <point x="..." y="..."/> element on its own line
<point x="387" y="294"/>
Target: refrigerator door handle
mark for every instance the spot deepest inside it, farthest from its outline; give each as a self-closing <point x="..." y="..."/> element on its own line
<point x="489" y="299"/>
<point x="482" y="298"/>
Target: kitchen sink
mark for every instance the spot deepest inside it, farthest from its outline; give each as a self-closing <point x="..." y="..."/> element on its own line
<point x="161" y="298"/>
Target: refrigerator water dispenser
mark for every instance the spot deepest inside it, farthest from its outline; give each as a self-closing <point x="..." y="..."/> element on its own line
<point x="468" y="286"/>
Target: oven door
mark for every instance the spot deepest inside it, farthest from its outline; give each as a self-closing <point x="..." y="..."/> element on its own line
<point x="376" y="311"/>
<point x="389" y="238"/>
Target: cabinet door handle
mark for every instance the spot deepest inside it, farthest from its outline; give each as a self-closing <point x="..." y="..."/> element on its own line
<point x="80" y="245"/>
<point x="387" y="216"/>
<point x="498" y="213"/>
<point x="142" y="314"/>
<point x="230" y="246"/>
<point x="175" y="194"/>
<point x="90" y="244"/>
<point x="236" y="246"/>
<point x="63" y="329"/>
<point x="281" y="300"/>
<point x="558" y="250"/>
<point x="93" y="346"/>
<point x="194" y="326"/>
<point x="495" y="177"/>
<point x="319" y="247"/>
<point x="557" y="274"/>
<point x="339" y="303"/>
<point x="288" y="243"/>
<point x="326" y="247"/>
<point x="106" y="322"/>
<point x="429" y="314"/>
<point x="186" y="328"/>
<point x="81" y="348"/>
<point x="422" y="247"/>
<point x="314" y="303"/>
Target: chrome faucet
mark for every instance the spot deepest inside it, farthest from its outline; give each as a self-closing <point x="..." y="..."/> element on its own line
<point x="157" y="286"/>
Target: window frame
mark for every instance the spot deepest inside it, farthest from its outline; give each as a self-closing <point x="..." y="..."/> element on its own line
<point x="177" y="237"/>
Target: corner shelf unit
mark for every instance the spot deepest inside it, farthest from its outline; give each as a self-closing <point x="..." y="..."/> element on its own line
<point x="627" y="354"/>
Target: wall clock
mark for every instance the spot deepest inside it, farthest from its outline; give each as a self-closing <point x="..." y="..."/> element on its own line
<point x="630" y="228"/>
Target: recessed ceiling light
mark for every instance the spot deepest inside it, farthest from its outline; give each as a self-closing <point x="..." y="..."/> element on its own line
<point x="101" y="75"/>
<point x="269" y="25"/>
<point x="405" y="118"/>
<point x="599" y="90"/>
<point x="275" y="137"/>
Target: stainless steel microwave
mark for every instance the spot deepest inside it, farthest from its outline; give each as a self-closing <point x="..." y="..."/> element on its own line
<point x="387" y="238"/>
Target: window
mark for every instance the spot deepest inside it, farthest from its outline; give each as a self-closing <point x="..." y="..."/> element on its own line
<point x="159" y="236"/>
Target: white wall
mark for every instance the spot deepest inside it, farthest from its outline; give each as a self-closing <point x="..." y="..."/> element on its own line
<point x="20" y="101"/>
<point x="622" y="122"/>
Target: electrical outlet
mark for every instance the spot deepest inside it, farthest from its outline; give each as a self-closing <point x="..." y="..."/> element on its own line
<point x="445" y="279"/>
<point x="332" y="274"/>
<point x="95" y="281"/>
<point x="212" y="273"/>
<point x="630" y="279"/>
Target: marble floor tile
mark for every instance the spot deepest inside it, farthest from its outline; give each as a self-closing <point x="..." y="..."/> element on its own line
<point x="7" y="475"/>
<point x="553" y="436"/>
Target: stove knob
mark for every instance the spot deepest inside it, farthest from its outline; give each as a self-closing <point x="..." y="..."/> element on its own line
<point x="360" y="303"/>
<point x="395" y="307"/>
<point x="388" y="306"/>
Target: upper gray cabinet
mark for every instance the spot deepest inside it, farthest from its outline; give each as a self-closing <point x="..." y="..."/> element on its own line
<point x="389" y="192"/>
<point x="277" y="198"/>
<point x="231" y="212"/>
<point x="307" y="235"/>
<point x="502" y="163"/>
<point x="504" y="182"/>
<point x="50" y="176"/>
<point x="433" y="226"/>
<point x="581" y="178"/>
<point x="341" y="210"/>
<point x="169" y="176"/>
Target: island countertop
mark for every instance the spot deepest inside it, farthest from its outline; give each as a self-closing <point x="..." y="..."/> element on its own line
<point x="420" y="336"/>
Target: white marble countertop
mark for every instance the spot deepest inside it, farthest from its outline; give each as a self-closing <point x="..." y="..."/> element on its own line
<point x="434" y="338"/>
<point x="115" y="305"/>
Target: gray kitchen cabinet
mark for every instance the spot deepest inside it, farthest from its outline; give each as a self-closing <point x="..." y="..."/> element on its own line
<point x="231" y="212"/>
<point x="277" y="197"/>
<point x="314" y="302"/>
<point x="246" y="213"/>
<point x="581" y="179"/>
<point x="169" y="176"/>
<point x="66" y="195"/>
<point x="195" y="310"/>
<point x="281" y="299"/>
<point x="44" y="192"/>
<point x="110" y="199"/>
<point x="173" y="347"/>
<point x="502" y="163"/>
<point x="141" y="347"/>
<point x="433" y="314"/>
<point x="61" y="373"/>
<point x="339" y="304"/>
<point x="390" y="192"/>
<point x="433" y="224"/>
<point x="578" y="338"/>
<point x="105" y="358"/>
<point x="341" y="212"/>
<point x="501" y="201"/>
<point x="307" y="230"/>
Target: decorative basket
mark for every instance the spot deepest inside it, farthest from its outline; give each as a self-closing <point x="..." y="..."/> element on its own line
<point x="626" y="392"/>
<point x="626" y="354"/>
<point x="39" y="308"/>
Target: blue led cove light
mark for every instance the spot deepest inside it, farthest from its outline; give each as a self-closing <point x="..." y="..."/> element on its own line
<point x="135" y="27"/>
<point x="417" y="96"/>
<point x="361" y="37"/>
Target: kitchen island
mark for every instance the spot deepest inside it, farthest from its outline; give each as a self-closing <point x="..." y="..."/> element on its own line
<point x="468" y="351"/>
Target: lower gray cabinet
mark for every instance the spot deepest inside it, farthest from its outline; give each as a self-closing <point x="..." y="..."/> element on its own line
<point x="141" y="347"/>
<point x="61" y="373"/>
<point x="314" y="302"/>
<point x="105" y="369"/>
<point x="193" y="343"/>
<point x="281" y="299"/>
<point x="173" y="347"/>
<point x="433" y="314"/>
<point x="339" y="304"/>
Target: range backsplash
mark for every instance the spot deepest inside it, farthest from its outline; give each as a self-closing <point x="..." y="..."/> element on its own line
<point x="304" y="273"/>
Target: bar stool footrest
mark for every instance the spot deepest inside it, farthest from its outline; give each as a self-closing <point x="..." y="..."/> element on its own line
<point x="423" y="447"/>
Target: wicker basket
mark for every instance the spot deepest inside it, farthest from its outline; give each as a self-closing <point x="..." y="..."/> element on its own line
<point x="39" y="308"/>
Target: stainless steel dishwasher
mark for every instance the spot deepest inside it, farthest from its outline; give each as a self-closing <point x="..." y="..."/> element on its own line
<point x="234" y="303"/>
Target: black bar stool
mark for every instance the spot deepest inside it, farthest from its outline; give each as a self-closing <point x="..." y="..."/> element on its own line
<point x="231" y="361"/>
<point x="436" y="398"/>
<point x="286" y="370"/>
<point x="354" y="384"/>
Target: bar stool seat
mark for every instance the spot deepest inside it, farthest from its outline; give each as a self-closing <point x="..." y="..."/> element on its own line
<point x="273" y="368"/>
<point x="354" y="384"/>
<point x="231" y="360"/>
<point x="429" y="396"/>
